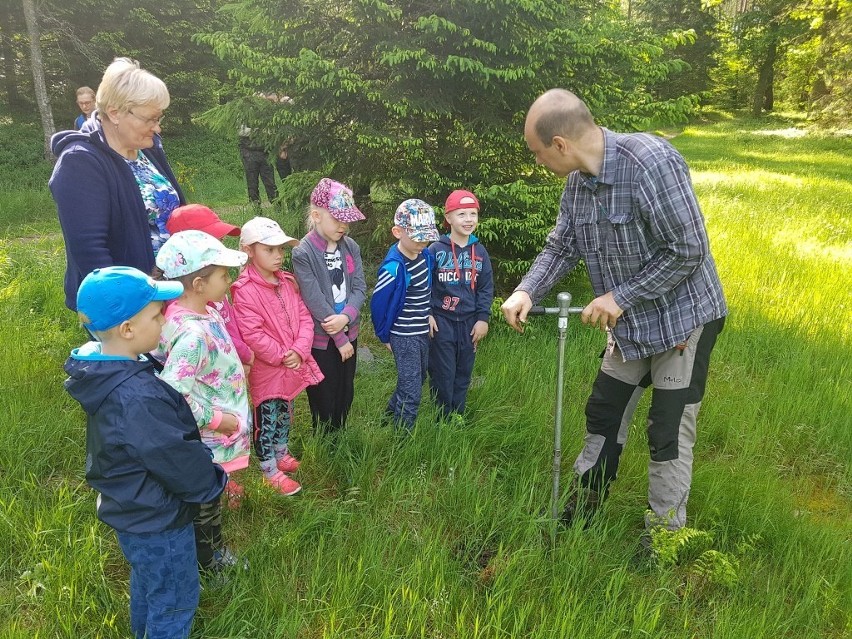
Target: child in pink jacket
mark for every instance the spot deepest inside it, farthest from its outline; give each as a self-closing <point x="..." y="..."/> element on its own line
<point x="279" y="329"/>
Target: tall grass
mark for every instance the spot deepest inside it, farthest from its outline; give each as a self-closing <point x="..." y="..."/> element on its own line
<point x="444" y="534"/>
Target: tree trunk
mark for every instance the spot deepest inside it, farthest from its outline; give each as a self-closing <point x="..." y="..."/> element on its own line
<point x="763" y="93"/>
<point x="8" y="53"/>
<point x="38" y="76"/>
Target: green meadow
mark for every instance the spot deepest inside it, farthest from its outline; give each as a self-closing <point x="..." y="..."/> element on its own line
<point x="445" y="534"/>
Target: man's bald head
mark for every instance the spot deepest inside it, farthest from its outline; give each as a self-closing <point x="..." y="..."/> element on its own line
<point x="559" y="113"/>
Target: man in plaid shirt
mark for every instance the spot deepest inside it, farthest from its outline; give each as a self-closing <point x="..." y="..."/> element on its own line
<point x="630" y="213"/>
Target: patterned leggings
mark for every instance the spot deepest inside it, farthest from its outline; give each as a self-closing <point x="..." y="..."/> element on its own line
<point x="271" y="432"/>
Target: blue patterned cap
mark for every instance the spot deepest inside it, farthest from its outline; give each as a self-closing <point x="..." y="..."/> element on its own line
<point x="418" y="220"/>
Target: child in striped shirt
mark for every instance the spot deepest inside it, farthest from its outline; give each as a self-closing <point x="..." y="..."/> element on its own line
<point x="401" y="303"/>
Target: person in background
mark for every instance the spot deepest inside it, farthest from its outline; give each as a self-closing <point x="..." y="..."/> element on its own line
<point x="401" y="305"/>
<point x="144" y="455"/>
<point x="278" y="327"/>
<point x="327" y="265"/>
<point x="256" y="166"/>
<point x="630" y="213"/>
<point x="282" y="162"/>
<point x="202" y="364"/>
<point x="86" y="104"/>
<point x="113" y="187"/>
<point x="462" y="292"/>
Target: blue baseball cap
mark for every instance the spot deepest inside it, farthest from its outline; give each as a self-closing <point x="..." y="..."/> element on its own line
<point x="108" y="296"/>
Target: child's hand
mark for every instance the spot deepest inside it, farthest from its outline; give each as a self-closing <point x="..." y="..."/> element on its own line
<point x="229" y="425"/>
<point x="346" y="351"/>
<point x="480" y="330"/>
<point x="292" y="360"/>
<point x="333" y="324"/>
<point x="389" y="347"/>
<point x="433" y="326"/>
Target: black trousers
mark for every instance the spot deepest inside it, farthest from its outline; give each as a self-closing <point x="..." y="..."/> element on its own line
<point x="256" y="165"/>
<point x="331" y="399"/>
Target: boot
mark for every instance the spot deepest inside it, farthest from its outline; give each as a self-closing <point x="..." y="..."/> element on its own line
<point x="582" y="504"/>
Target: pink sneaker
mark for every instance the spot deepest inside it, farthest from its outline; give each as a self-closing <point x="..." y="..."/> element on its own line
<point x="283" y="484"/>
<point x="233" y="495"/>
<point x="288" y="464"/>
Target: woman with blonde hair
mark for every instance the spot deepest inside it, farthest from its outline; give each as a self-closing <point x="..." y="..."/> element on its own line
<point x="113" y="186"/>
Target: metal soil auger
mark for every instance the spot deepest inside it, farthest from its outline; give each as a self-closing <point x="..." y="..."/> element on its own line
<point x="562" y="311"/>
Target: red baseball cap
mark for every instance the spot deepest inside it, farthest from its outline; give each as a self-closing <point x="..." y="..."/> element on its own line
<point x="461" y="200"/>
<point x="197" y="217"/>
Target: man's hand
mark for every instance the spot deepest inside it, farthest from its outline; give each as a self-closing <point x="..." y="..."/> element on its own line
<point x="602" y="312"/>
<point x="515" y="309"/>
<point x="480" y="330"/>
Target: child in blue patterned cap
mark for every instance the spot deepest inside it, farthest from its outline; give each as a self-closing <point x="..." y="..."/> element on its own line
<point x="400" y="306"/>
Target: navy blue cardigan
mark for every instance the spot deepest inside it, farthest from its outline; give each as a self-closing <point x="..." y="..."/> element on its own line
<point x="103" y="217"/>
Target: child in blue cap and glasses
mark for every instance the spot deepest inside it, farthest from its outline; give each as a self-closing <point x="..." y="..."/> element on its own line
<point x="144" y="454"/>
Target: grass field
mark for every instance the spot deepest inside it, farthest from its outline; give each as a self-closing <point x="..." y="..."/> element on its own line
<point x="442" y="535"/>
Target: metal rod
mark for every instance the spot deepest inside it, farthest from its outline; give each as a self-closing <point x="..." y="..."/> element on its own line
<point x="563" y="309"/>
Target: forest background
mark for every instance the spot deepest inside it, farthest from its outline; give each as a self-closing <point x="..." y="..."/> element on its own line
<point x="423" y="97"/>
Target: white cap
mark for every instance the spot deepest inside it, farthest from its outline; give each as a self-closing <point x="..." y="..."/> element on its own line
<point x="265" y="231"/>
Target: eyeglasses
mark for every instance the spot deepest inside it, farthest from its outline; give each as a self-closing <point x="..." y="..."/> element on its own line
<point x="148" y="121"/>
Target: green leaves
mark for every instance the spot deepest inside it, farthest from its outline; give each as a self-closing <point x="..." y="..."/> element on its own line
<point x="424" y="98"/>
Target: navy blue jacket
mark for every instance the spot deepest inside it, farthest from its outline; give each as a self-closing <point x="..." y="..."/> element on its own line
<point x="101" y="211"/>
<point x="463" y="283"/>
<point x="389" y="294"/>
<point x="143" y="451"/>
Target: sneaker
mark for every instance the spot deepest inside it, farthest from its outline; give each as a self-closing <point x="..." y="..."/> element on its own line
<point x="582" y="504"/>
<point x="222" y="565"/>
<point x="283" y="484"/>
<point x="288" y="464"/>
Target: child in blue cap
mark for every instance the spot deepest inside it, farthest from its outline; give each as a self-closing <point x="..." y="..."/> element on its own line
<point x="144" y="455"/>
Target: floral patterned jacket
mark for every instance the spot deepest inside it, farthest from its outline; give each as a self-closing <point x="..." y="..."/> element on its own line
<point x="203" y="365"/>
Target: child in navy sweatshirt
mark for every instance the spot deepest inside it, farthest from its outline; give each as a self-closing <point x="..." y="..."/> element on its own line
<point x="462" y="292"/>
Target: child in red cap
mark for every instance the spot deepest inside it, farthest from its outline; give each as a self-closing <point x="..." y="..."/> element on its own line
<point x="462" y="292"/>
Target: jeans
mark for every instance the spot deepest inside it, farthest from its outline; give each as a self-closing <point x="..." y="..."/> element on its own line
<point x="411" y="354"/>
<point x="164" y="585"/>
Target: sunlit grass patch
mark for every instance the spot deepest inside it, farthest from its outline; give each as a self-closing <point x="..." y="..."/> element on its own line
<point x="443" y="534"/>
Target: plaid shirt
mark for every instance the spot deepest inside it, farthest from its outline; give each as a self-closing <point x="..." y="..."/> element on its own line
<point x="639" y="230"/>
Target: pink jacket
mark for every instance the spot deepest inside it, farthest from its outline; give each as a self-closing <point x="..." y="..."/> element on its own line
<point x="226" y="310"/>
<point x="273" y="320"/>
